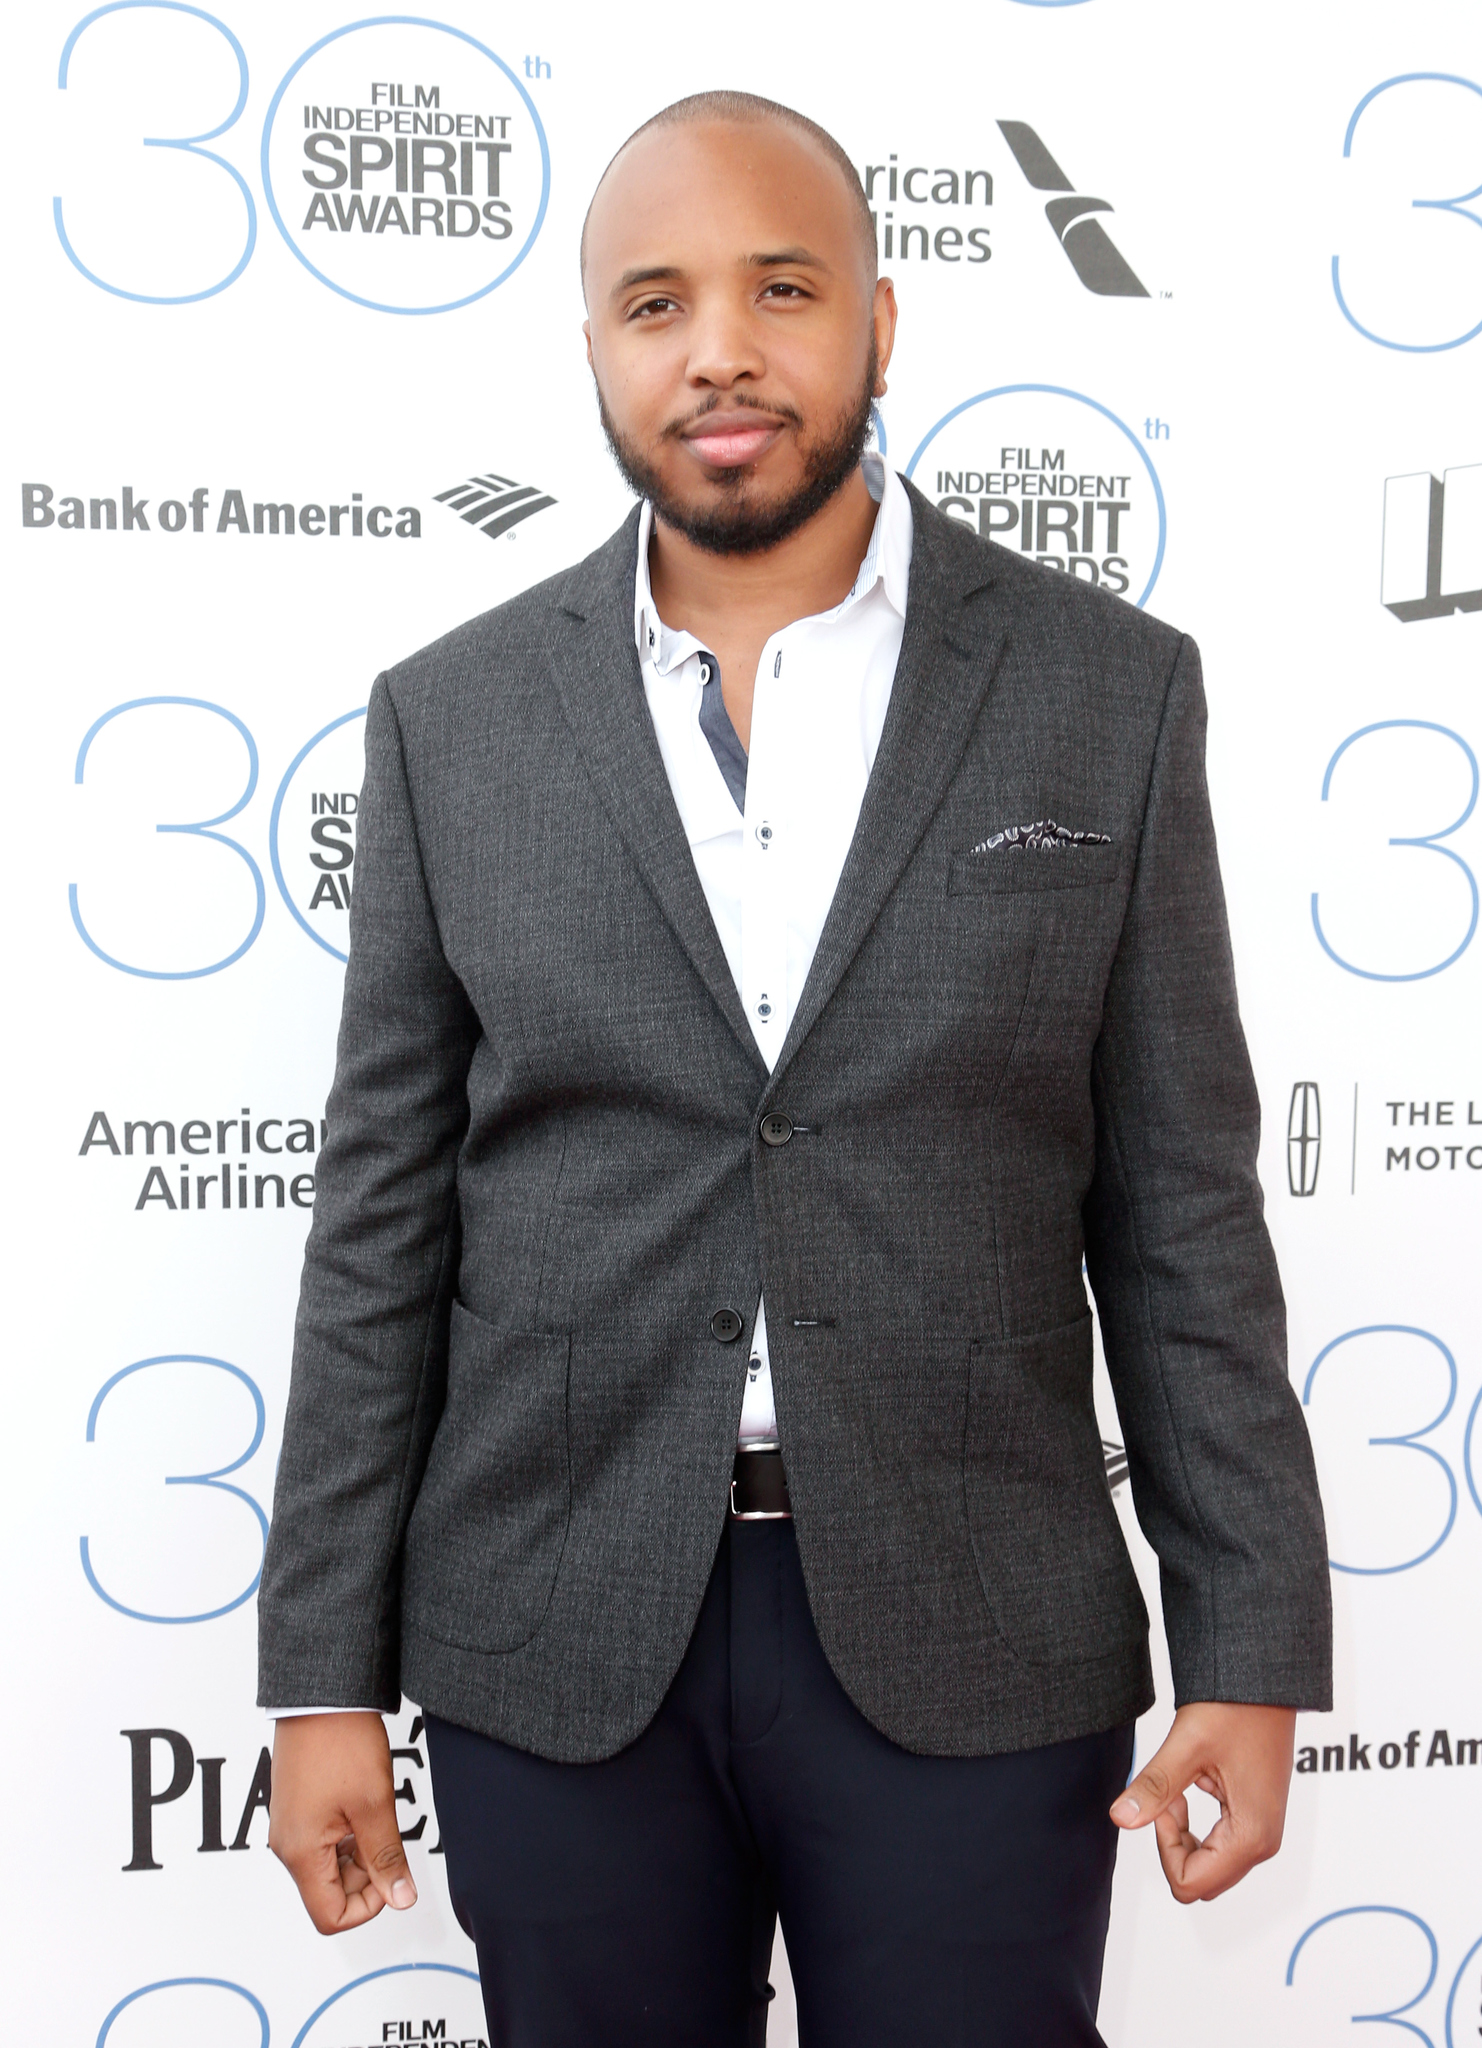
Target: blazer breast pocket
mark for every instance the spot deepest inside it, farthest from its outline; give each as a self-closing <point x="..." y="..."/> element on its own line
<point x="1010" y="871"/>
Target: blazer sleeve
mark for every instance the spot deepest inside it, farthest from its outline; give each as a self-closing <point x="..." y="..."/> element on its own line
<point x="1184" y="1275"/>
<point x="370" y="1346"/>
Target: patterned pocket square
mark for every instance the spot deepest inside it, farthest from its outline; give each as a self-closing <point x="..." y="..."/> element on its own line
<point x="1044" y="837"/>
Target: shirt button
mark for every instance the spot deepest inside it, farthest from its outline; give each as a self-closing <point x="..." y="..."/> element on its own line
<point x="764" y="1008"/>
<point x="765" y="834"/>
<point x="725" y="1326"/>
<point x="704" y="671"/>
<point x="776" y="1129"/>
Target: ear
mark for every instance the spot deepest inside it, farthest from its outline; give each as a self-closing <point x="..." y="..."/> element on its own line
<point x="586" y="328"/>
<point x="884" y="316"/>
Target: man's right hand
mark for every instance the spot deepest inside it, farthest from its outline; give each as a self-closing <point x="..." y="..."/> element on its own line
<point x="333" y="1818"/>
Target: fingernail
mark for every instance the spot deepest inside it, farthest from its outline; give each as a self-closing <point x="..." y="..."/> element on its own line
<point x="1126" y="1809"/>
<point x="403" y="1893"/>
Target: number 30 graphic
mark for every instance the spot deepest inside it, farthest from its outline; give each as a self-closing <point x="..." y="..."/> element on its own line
<point x="1459" y="206"/>
<point x="1426" y="842"/>
<point x="203" y="829"/>
<point x="190" y="144"/>
<point x="215" y="1479"/>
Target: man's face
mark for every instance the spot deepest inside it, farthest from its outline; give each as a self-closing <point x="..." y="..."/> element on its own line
<point x="735" y="331"/>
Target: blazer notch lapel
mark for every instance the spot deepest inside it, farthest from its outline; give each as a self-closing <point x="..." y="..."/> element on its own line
<point x="600" y="688"/>
<point x="942" y="680"/>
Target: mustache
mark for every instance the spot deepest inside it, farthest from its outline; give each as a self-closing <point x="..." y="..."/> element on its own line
<point x="676" y="429"/>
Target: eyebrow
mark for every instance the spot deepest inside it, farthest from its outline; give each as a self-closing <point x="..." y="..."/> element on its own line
<point x="774" y="259"/>
<point x="665" y="273"/>
<point x="654" y="273"/>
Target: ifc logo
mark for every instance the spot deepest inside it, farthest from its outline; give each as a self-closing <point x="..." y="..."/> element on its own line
<point x="1056" y="476"/>
<point x="405" y="165"/>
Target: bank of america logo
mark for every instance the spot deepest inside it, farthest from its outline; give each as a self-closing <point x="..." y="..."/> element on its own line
<point x="1094" y="256"/>
<point x="1303" y="1138"/>
<point x="1432" y="561"/>
<point x="494" y="503"/>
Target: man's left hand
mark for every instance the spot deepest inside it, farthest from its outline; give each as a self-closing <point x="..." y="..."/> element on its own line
<point x="1241" y="1756"/>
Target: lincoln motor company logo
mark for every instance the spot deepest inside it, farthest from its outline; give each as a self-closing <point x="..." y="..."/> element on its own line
<point x="1303" y="1138"/>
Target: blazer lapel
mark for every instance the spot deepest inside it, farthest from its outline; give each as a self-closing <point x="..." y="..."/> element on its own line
<point x="941" y="681"/>
<point x="600" y="685"/>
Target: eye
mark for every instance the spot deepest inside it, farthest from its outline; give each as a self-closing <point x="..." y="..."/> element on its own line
<point x="781" y="288"/>
<point x="655" y="306"/>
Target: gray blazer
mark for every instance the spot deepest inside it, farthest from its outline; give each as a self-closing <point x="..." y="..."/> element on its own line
<point x="510" y="1427"/>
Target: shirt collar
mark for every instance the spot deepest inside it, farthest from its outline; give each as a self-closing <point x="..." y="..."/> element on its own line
<point x="887" y="561"/>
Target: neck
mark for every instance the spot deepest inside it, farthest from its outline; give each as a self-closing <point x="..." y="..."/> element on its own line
<point x="811" y="571"/>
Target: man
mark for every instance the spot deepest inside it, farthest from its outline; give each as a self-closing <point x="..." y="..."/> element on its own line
<point x="783" y="945"/>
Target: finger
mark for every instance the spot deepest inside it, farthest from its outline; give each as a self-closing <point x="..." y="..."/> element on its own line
<point x="378" y="1850"/>
<point x="1161" y="1780"/>
<point x="318" y="1871"/>
<point x="1202" y="1870"/>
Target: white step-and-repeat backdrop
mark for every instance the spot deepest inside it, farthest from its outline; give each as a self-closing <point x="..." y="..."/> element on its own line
<point x="1191" y="308"/>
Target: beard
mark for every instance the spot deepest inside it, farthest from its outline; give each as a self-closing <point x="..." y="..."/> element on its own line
<point x="736" y="525"/>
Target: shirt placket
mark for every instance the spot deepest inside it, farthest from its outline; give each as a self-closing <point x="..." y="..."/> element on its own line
<point x="764" y="861"/>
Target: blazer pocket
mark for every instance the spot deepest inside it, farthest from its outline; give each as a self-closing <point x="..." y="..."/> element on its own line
<point x="1048" y="1546"/>
<point x="1006" y="872"/>
<point x="486" y="1535"/>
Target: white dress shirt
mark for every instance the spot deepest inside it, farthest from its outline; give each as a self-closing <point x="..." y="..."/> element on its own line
<point x="769" y="873"/>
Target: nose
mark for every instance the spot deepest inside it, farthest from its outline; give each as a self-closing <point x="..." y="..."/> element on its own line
<point x="724" y="344"/>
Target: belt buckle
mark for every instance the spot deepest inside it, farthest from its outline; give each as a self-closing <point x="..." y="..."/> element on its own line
<point x="757" y="1514"/>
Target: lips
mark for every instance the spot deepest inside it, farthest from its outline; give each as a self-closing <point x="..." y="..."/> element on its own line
<point x="724" y="441"/>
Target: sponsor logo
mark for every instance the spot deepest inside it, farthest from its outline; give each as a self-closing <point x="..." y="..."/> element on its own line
<point x="1055" y="475"/>
<point x="164" y="1765"/>
<point x="234" y="1146"/>
<point x="949" y="226"/>
<point x="1432" y="551"/>
<point x="493" y="503"/>
<point x="1432" y="1142"/>
<point x="405" y="165"/>
<point x="938" y="213"/>
<point x="235" y="511"/>
<point x="1094" y="257"/>
<point x="1441" y="1749"/>
<point x="1303" y="1138"/>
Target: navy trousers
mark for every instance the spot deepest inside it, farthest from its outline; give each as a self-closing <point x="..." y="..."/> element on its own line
<point x="957" y="1902"/>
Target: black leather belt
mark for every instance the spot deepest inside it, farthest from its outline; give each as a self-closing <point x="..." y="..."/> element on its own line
<point x="759" y="1486"/>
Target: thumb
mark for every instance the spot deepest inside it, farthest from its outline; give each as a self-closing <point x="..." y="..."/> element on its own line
<point x="378" y="1848"/>
<point x="1162" y="1780"/>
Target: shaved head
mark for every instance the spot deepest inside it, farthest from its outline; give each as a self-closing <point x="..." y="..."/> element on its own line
<point x="750" y="110"/>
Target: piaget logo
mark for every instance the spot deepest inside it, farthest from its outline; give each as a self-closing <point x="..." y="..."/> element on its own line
<point x="405" y="165"/>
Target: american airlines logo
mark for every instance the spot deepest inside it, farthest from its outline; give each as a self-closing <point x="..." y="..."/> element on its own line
<point x="1094" y="256"/>
<point x="1303" y="1138"/>
<point x="493" y="503"/>
<point x="1432" y="544"/>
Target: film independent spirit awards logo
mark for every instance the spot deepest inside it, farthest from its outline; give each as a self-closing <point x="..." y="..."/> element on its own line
<point x="405" y="165"/>
<point x="1054" y="475"/>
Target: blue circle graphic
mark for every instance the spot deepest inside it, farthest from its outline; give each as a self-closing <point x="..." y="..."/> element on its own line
<point x="172" y="1984"/>
<point x="293" y="767"/>
<point x="1060" y="391"/>
<point x="442" y="28"/>
<point x="391" y="1970"/>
